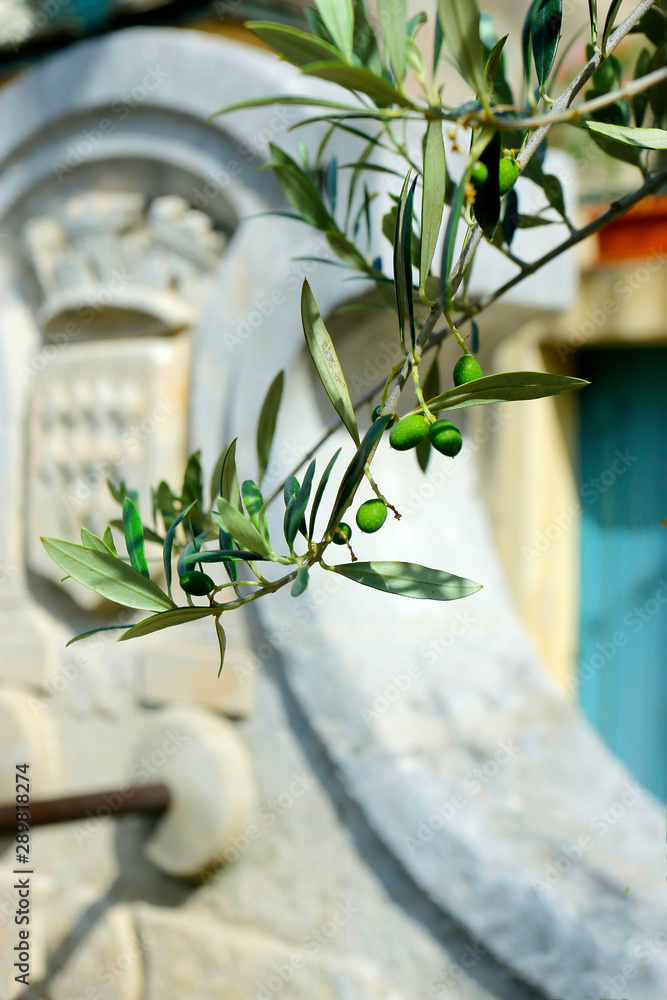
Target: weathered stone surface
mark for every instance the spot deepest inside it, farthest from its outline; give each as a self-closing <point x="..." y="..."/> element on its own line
<point x="107" y="965"/>
<point x="186" y="669"/>
<point x="27" y="736"/>
<point x="241" y="963"/>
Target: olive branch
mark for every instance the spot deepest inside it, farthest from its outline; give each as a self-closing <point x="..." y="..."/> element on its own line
<point x="231" y="530"/>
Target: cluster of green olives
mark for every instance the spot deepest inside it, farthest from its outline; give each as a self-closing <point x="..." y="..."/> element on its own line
<point x="443" y="435"/>
<point x="508" y="172"/>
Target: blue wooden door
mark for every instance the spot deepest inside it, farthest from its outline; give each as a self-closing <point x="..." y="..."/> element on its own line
<point x="623" y="649"/>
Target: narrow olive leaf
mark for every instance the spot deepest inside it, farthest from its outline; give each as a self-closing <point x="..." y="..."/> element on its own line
<point x="169" y="544"/>
<point x="254" y="504"/>
<point x="393" y="17"/>
<point x="165" y="501"/>
<point x="298" y="505"/>
<point x="300" y="582"/>
<point x="221" y="555"/>
<point x="245" y="533"/>
<point x="222" y="642"/>
<point x="455" y="209"/>
<point x="487" y="197"/>
<point x="355" y="471"/>
<point x="505" y="387"/>
<point x="91" y="541"/>
<point x="229" y="481"/>
<point x="214" y="486"/>
<point x="545" y="29"/>
<point x="460" y="25"/>
<point x="266" y="425"/>
<point x="593" y="17"/>
<point x="338" y="17"/>
<point x="362" y="80"/>
<point x="405" y="258"/>
<point x="510" y="220"/>
<point x="319" y="493"/>
<point x="494" y="62"/>
<point x="108" y="541"/>
<point x="399" y="272"/>
<point x="609" y="23"/>
<point x="346" y="251"/>
<point x="107" y="576"/>
<point x="366" y="47"/>
<point x="193" y="484"/>
<point x="326" y="361"/>
<point x="94" y="631"/>
<point x="645" y="138"/>
<point x="526" y="38"/>
<point x="262" y="102"/>
<point x="437" y="42"/>
<point x="290" y="489"/>
<point x="134" y="538"/>
<point x="409" y="580"/>
<point x="167" y="619"/>
<point x="430" y="388"/>
<point x="433" y="199"/>
<point x="297" y="47"/>
<point x="331" y="182"/>
<point x="302" y="194"/>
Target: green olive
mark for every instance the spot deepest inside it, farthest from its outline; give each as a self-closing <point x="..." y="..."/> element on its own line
<point x="466" y="369"/>
<point x="408" y="432"/>
<point x="196" y="583"/>
<point x="342" y="534"/>
<point x="446" y="438"/>
<point x="479" y="173"/>
<point x="508" y="171"/>
<point x="371" y="516"/>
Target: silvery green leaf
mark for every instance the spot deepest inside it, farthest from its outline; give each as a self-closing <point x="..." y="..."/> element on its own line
<point x="242" y="531"/>
<point x="460" y="26"/>
<point x="393" y="17"/>
<point x="409" y="580"/>
<point x="338" y="17"/>
<point x="134" y="537"/>
<point x="107" y="576"/>
<point x="326" y="361"/>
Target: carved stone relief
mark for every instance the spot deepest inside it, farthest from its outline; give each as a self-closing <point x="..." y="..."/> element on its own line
<point x="120" y="286"/>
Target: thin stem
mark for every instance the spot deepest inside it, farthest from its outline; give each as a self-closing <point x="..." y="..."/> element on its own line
<point x="420" y="395"/>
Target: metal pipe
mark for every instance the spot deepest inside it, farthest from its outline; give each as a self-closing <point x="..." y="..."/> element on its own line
<point x="151" y="799"/>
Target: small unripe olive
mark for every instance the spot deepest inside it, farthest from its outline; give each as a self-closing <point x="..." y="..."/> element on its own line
<point x="342" y="534"/>
<point x="445" y="438"/>
<point x="197" y="583"/>
<point x="508" y="171"/>
<point x="466" y="369"/>
<point x="408" y="432"/>
<point x="479" y="173"/>
<point x="371" y="516"/>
